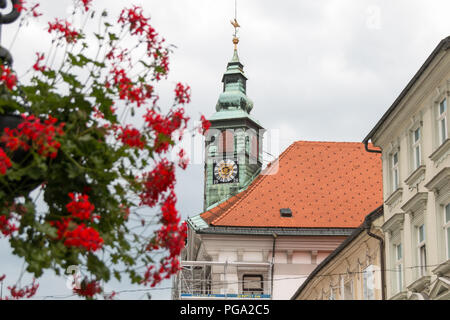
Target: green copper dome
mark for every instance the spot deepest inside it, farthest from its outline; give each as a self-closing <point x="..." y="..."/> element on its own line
<point x="234" y="95"/>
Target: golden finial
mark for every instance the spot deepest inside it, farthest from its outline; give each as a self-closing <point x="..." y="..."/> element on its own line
<point x="235" y="38"/>
<point x="236" y="25"/>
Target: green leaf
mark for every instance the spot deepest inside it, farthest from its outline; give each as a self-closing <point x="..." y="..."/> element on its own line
<point x="34" y="173"/>
<point x="49" y="74"/>
<point x="71" y="80"/>
<point x="99" y="37"/>
<point x="98" y="267"/>
<point x="85" y="138"/>
<point x="148" y="66"/>
<point x="73" y="171"/>
<point x="79" y="60"/>
<point x="47" y="229"/>
<point x="112" y="36"/>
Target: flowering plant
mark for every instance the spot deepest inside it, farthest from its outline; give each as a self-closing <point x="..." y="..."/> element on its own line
<point x="97" y="142"/>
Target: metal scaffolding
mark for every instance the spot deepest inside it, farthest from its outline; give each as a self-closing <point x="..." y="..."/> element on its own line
<point x="219" y="280"/>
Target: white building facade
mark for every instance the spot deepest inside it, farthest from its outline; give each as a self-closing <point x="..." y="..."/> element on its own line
<point x="252" y="265"/>
<point x="414" y="138"/>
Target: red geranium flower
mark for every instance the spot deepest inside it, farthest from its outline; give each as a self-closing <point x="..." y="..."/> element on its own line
<point x="7" y="77"/>
<point x="5" y="162"/>
<point x="182" y="93"/>
<point x="80" y="207"/>
<point x="63" y="27"/>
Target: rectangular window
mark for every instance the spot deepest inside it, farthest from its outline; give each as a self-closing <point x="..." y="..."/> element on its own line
<point x="447" y="228"/>
<point x="332" y="294"/>
<point x="395" y="175"/>
<point x="442" y="121"/>
<point x="253" y="284"/>
<point x="368" y="283"/>
<point x="227" y="142"/>
<point x="417" y="157"/>
<point x="399" y="266"/>
<point x="348" y="290"/>
<point x="254" y="152"/>
<point x="421" y="250"/>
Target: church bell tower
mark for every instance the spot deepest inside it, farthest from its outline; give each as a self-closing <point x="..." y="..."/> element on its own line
<point x="233" y="146"/>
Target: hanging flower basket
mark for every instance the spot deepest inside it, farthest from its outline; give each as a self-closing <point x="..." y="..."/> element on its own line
<point x="21" y="157"/>
<point x="12" y="122"/>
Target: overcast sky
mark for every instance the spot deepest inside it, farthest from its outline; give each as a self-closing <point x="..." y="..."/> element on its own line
<point x="322" y="70"/>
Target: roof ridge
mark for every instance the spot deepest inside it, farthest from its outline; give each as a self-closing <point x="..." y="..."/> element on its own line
<point x="252" y="186"/>
<point x="331" y="142"/>
<point x="221" y="207"/>
<point x="224" y="205"/>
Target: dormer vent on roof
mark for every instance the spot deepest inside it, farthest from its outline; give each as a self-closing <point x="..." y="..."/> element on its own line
<point x="286" y="213"/>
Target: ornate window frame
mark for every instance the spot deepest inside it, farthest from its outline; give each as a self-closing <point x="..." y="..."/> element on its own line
<point x="446" y="228"/>
<point x="394" y="228"/>
<point x="413" y="142"/>
<point x="442" y="94"/>
<point x="349" y="283"/>
<point x="369" y="282"/>
<point x="416" y="208"/>
<point x="442" y="120"/>
<point x="393" y="192"/>
<point x="253" y="271"/>
<point x="440" y="185"/>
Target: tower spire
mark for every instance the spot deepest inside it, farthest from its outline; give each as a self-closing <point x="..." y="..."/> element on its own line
<point x="234" y="96"/>
<point x="233" y="155"/>
<point x="236" y="26"/>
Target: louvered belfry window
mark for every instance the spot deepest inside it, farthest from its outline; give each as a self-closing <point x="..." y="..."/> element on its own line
<point x="226" y="142"/>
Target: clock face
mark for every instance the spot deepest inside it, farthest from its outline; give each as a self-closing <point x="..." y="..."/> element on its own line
<point x="225" y="171"/>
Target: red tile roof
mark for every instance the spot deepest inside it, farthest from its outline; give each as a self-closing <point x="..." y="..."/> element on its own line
<point x="325" y="184"/>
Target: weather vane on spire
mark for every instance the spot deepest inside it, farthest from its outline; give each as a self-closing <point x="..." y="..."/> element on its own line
<point x="236" y="25"/>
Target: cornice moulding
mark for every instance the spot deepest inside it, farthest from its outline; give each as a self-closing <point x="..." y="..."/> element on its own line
<point x="443" y="269"/>
<point x="416" y="203"/>
<point x="394" y="197"/>
<point x="415" y="176"/>
<point x="394" y="222"/>
<point x="441" y="153"/>
<point x="400" y="296"/>
<point x="439" y="181"/>
<point x="420" y="284"/>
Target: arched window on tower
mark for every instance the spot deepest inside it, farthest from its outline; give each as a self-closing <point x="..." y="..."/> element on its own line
<point x="252" y="143"/>
<point x="255" y="146"/>
<point x="247" y="145"/>
<point x="226" y="142"/>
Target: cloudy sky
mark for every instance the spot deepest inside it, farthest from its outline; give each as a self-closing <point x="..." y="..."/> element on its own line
<point x="323" y="70"/>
